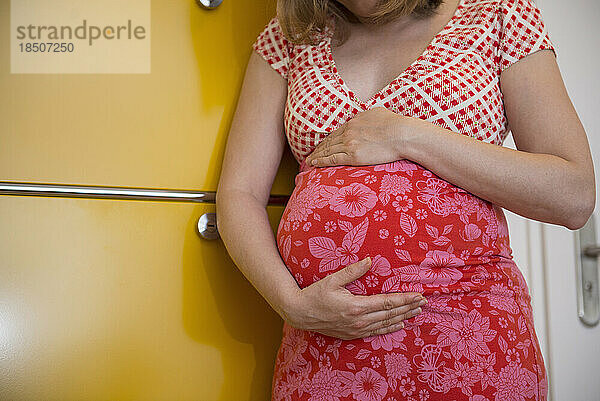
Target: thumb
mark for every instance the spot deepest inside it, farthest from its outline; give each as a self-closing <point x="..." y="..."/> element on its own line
<point x="352" y="272"/>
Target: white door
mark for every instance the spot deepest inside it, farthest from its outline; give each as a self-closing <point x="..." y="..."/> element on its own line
<point x="546" y="253"/>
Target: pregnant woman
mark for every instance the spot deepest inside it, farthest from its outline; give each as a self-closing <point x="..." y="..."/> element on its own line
<point x="396" y="112"/>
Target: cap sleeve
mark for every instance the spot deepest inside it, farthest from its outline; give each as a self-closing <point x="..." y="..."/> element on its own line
<point x="274" y="47"/>
<point x="522" y="32"/>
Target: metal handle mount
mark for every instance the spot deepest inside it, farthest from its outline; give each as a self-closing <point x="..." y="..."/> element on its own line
<point x="209" y="4"/>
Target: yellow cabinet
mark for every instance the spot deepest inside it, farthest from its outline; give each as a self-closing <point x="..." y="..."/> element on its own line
<point x="106" y="299"/>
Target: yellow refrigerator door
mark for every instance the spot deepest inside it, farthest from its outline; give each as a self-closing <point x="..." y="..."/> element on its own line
<point x="106" y="299"/>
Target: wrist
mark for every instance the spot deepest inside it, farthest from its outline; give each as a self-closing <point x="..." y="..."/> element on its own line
<point x="410" y="133"/>
<point x="289" y="304"/>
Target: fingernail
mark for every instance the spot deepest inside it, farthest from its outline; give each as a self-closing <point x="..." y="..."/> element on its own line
<point x="367" y="260"/>
<point x="313" y="162"/>
<point x="418" y="310"/>
<point x="417" y="298"/>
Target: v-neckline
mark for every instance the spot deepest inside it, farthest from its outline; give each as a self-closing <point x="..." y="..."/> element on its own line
<point x="429" y="47"/>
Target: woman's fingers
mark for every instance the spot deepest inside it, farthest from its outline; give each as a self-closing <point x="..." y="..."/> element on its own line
<point x="326" y="150"/>
<point x="384" y="320"/>
<point x="335" y="159"/>
<point x="349" y="273"/>
<point x="379" y="302"/>
<point x="388" y="315"/>
<point x="380" y="325"/>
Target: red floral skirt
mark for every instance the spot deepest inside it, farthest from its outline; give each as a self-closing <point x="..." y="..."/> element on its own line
<point x="475" y="339"/>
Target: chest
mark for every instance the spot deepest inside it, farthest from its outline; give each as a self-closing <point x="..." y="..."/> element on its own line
<point x="453" y="83"/>
<point x="367" y="63"/>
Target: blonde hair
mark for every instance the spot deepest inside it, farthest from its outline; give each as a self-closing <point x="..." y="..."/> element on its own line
<point x="302" y="21"/>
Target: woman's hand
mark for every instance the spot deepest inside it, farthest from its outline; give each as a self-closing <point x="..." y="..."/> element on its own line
<point x="327" y="307"/>
<point x="375" y="136"/>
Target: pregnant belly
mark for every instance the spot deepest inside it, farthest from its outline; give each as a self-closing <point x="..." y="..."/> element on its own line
<point x="422" y="233"/>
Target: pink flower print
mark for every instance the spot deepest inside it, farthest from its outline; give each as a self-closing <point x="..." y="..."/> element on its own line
<point x="399" y="240"/>
<point x="324" y="360"/>
<point x="421" y="214"/>
<point x="436" y="311"/>
<point x="330" y="226"/>
<point x="462" y="376"/>
<point x="301" y="204"/>
<point x="402" y="203"/>
<point x="353" y="200"/>
<point x="369" y="385"/>
<point x="371" y="178"/>
<point x="398" y="165"/>
<point x="438" y="268"/>
<point x="387" y="341"/>
<point x="515" y="383"/>
<point x="283" y="390"/>
<point x="383" y="233"/>
<point x="501" y="221"/>
<point x="306" y="226"/>
<point x="502" y="322"/>
<point x="371" y="280"/>
<point x="393" y="185"/>
<point x="464" y="204"/>
<point x="333" y="256"/>
<point x="457" y="297"/>
<point x="466" y="336"/>
<point x="408" y="273"/>
<point x="419" y="341"/>
<point x="298" y="210"/>
<point x="485" y="370"/>
<point x="380" y="266"/>
<point x="471" y="232"/>
<point x="433" y="193"/>
<point x="396" y="365"/>
<point x="328" y="384"/>
<point x="511" y="335"/>
<point x="407" y="386"/>
<point x="512" y="356"/>
<point x="503" y="298"/>
<point x="379" y="215"/>
<point x="464" y="254"/>
<point x="285" y="246"/>
<point x="375" y="362"/>
<point x="423" y="395"/>
<point x="476" y="303"/>
<point x="489" y="215"/>
<point x="543" y="388"/>
<point x="293" y="346"/>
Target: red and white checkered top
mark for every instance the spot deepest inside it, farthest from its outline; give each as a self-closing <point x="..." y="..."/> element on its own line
<point x="454" y="83"/>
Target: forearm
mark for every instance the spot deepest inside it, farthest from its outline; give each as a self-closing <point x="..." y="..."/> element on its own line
<point x="542" y="187"/>
<point x="244" y="227"/>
